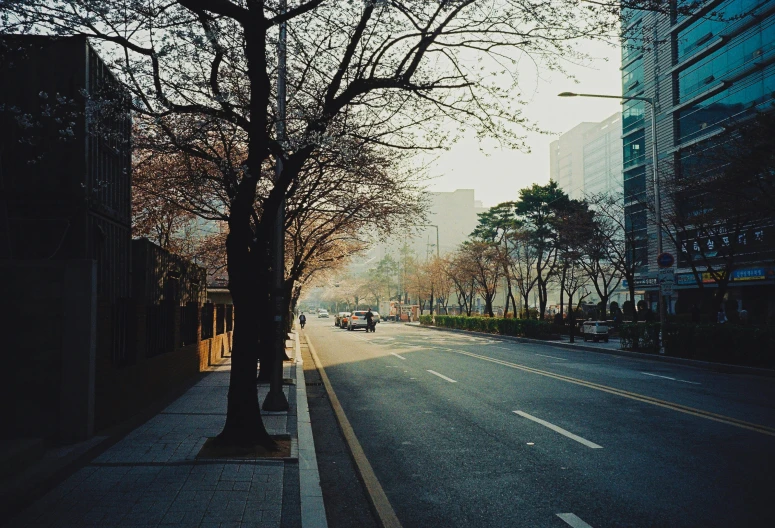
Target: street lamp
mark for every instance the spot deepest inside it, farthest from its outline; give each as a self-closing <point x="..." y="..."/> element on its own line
<point x="437" y="236"/>
<point x="652" y="102"/>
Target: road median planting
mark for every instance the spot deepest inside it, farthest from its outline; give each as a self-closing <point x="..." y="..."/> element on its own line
<point x="532" y="328"/>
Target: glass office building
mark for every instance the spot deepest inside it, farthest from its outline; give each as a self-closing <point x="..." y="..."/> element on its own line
<point x="708" y="71"/>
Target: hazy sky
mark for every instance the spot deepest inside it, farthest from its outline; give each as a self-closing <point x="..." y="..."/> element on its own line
<point x="497" y="175"/>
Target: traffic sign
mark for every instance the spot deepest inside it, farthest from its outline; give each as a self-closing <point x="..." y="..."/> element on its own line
<point x="665" y="260"/>
<point x="666" y="279"/>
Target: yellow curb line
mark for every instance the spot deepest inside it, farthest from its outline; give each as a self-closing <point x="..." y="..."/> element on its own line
<point x="377" y="496"/>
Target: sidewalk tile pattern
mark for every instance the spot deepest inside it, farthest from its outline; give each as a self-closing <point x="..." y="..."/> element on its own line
<point x="152" y="477"/>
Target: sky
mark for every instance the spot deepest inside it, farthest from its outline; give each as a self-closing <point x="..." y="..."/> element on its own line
<point x="496" y="175"/>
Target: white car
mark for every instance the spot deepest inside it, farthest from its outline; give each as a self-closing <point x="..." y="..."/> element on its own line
<point x="322" y="313"/>
<point x="358" y="319"/>
<point x="595" y="330"/>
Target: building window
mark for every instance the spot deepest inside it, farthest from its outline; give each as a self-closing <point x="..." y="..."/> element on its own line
<point x="635" y="183"/>
<point x="634" y="148"/>
<point x="632" y="116"/>
<point x="754" y="93"/>
<point x="632" y="76"/>
<point x="722" y="18"/>
<point x="756" y="44"/>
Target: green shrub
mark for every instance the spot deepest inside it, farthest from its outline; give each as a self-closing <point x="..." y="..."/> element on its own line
<point x="727" y="343"/>
<point x="496" y="325"/>
<point x="639" y="336"/>
<point x="426" y="320"/>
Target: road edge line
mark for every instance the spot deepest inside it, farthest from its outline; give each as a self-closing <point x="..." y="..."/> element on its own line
<point x="377" y="497"/>
<point x="313" y="509"/>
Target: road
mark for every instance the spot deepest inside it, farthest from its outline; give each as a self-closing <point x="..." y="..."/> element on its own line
<point x="474" y="431"/>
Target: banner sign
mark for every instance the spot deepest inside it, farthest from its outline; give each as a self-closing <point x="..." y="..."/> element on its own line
<point x="714" y="245"/>
<point x="739" y="275"/>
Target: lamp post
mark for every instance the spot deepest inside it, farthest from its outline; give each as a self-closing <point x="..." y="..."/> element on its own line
<point x="652" y="102"/>
<point x="437" y="236"/>
<point x="275" y="400"/>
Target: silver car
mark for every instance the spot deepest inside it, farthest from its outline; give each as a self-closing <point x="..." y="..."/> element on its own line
<point x="358" y="319"/>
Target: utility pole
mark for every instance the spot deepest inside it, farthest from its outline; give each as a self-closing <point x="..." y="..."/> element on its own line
<point x="276" y="401"/>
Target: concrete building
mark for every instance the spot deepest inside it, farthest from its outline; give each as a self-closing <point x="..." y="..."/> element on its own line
<point x="709" y="71"/>
<point x="455" y="215"/>
<point x="587" y="159"/>
<point x="566" y="160"/>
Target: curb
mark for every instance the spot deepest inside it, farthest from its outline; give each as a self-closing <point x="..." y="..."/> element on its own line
<point x="706" y="365"/>
<point x="313" y="511"/>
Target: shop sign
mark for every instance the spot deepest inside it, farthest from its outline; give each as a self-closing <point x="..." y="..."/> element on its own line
<point x="749" y="274"/>
<point x="644" y="282"/>
<point x="752" y="274"/>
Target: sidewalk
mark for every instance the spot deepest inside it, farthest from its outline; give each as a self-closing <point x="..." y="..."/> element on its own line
<point x="152" y="477"/>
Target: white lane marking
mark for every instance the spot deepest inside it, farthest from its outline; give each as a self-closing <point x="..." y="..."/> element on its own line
<point x="560" y="430"/>
<point x="399" y="357"/>
<point x="673" y="379"/>
<point x="503" y="348"/>
<point x="573" y="520"/>
<point x="561" y="359"/>
<point x="442" y="376"/>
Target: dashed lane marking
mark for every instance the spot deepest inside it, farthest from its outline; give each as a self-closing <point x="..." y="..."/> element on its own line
<point x="442" y="376"/>
<point x="669" y="378"/>
<point x="560" y="430"/>
<point x="573" y="520"/>
<point x="764" y="429"/>
<point x="561" y="359"/>
<point x="398" y="356"/>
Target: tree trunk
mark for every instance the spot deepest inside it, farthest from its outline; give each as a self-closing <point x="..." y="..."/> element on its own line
<point x="542" y="299"/>
<point x="526" y="307"/>
<point x="244" y="426"/>
<point x="562" y="292"/>
<point x="571" y="319"/>
<point x="488" y="305"/>
<point x="631" y="287"/>
<point x="604" y="311"/>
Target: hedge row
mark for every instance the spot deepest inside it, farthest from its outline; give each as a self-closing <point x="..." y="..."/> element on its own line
<point x="492" y="325"/>
<point x="735" y="344"/>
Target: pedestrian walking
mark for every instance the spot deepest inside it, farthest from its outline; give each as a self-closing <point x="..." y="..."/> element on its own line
<point x="302" y="319"/>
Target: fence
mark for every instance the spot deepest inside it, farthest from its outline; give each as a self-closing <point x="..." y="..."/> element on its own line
<point x="159" y="329"/>
<point x="158" y="275"/>
<point x="208" y="313"/>
<point x="122" y="320"/>
<point x="189" y="324"/>
<point x="220" y="323"/>
<point x="229" y="317"/>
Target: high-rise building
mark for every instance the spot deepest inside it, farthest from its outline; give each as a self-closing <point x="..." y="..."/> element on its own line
<point x="587" y="160"/>
<point x="708" y="71"/>
<point x="453" y="213"/>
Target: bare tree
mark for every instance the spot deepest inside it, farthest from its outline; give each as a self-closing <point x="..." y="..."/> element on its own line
<point x="464" y="282"/>
<point x="391" y="73"/>
<point x="482" y="261"/>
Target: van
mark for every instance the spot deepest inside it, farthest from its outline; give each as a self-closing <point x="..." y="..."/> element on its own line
<point x="595" y="330"/>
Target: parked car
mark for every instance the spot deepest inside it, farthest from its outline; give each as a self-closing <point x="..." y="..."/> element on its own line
<point x="358" y="319"/>
<point x="322" y="313"/>
<point x="595" y="330"/>
<point x="341" y="319"/>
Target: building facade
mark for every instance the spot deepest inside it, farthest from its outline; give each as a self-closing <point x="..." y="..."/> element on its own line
<point x="65" y="160"/>
<point x="708" y="71"/>
<point x="587" y="160"/>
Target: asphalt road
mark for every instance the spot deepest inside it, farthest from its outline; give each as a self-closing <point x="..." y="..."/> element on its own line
<point x="475" y="431"/>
